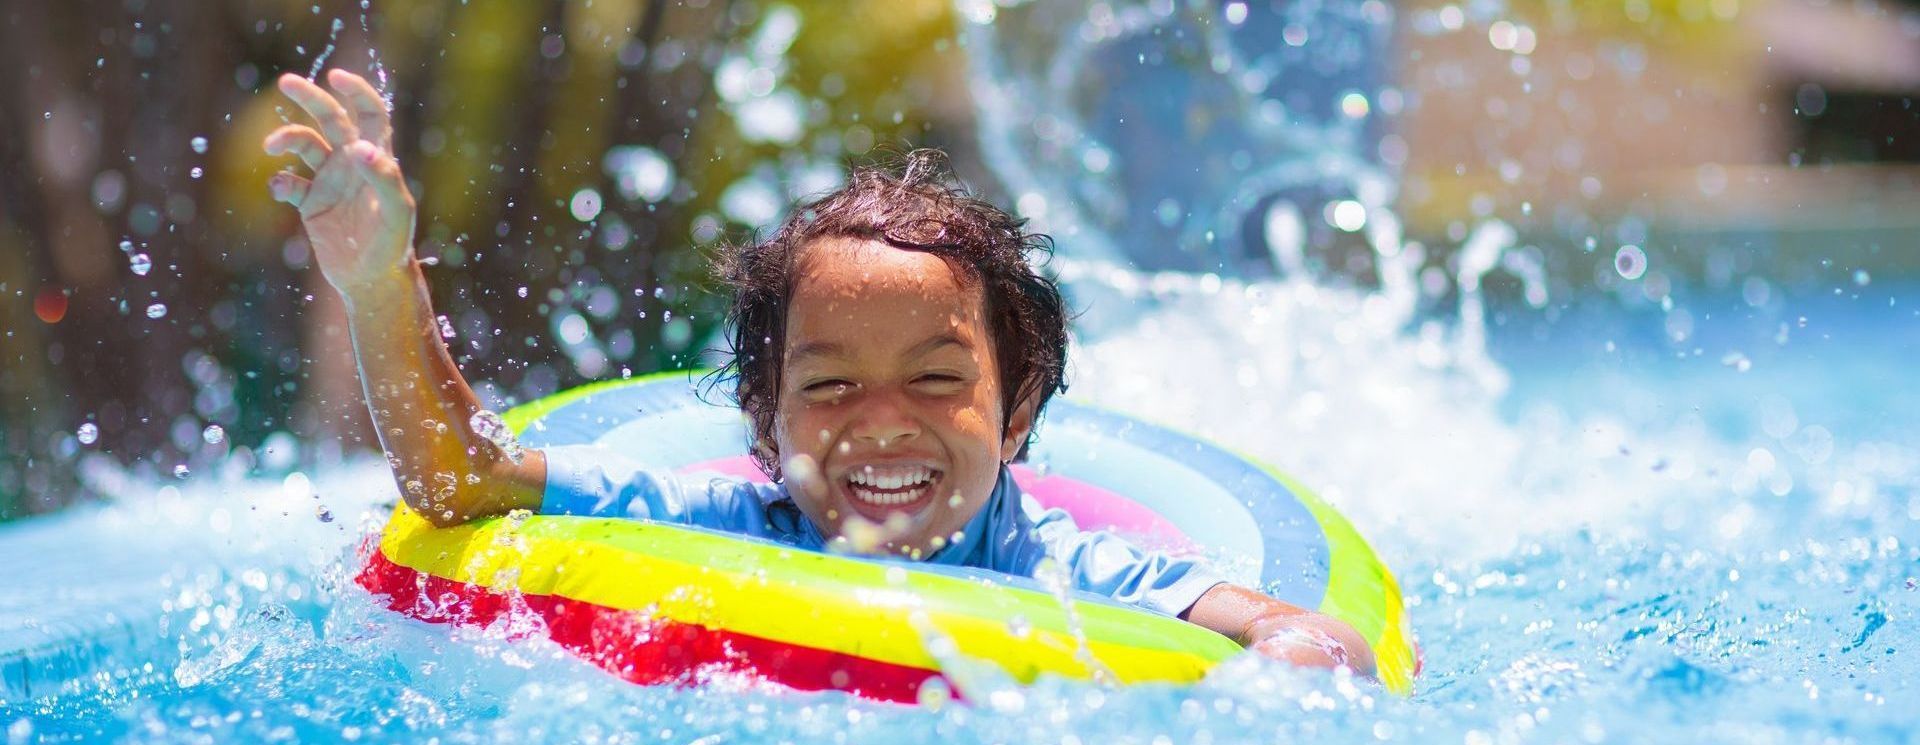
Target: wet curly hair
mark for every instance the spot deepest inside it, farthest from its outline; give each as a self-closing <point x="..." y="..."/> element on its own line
<point x="913" y="203"/>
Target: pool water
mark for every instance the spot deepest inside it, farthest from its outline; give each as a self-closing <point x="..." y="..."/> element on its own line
<point x="1614" y="520"/>
<point x="1565" y="585"/>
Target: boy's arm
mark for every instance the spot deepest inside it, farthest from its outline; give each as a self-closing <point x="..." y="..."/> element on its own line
<point x="422" y="407"/>
<point x="359" y="218"/>
<point x="1281" y="631"/>
<point x="1104" y="564"/>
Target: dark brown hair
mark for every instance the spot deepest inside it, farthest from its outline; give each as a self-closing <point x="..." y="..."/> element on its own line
<point x="913" y="204"/>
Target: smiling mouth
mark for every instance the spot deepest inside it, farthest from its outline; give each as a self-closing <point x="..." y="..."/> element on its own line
<point x="891" y="487"/>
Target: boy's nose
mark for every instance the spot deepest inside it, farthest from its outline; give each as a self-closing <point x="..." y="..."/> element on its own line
<point x="885" y="423"/>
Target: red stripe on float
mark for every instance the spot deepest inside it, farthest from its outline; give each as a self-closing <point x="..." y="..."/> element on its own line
<point x="644" y="650"/>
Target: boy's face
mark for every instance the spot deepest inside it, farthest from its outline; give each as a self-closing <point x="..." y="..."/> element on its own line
<point x="890" y="405"/>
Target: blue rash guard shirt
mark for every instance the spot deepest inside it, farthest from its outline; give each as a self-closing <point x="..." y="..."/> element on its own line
<point x="1011" y="534"/>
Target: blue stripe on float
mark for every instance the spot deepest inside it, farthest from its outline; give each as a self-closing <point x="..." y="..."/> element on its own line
<point x="1211" y="494"/>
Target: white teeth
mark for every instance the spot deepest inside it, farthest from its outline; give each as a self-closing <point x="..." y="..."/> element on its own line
<point x="891" y="478"/>
<point x="879" y="486"/>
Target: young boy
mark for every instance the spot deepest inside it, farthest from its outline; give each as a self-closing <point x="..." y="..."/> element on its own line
<point x="892" y="349"/>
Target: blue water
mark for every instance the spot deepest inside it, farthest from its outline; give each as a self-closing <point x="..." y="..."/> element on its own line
<point x="1624" y="621"/>
<point x="1614" y="520"/>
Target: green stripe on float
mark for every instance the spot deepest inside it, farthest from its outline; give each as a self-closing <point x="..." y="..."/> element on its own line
<point x="520" y="417"/>
<point x="1361" y="590"/>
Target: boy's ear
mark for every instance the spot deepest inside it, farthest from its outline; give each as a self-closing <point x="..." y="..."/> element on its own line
<point x="1019" y="425"/>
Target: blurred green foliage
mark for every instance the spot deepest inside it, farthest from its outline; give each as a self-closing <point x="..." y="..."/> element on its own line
<point x="551" y="270"/>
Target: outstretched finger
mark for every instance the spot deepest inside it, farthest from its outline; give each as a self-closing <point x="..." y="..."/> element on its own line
<point x="369" y="109"/>
<point x="321" y="105"/>
<point x="300" y="140"/>
<point x="288" y="188"/>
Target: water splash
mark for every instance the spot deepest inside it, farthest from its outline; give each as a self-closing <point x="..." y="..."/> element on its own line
<point x="373" y="58"/>
<point x="1241" y="119"/>
<point x="1279" y="188"/>
<point x="1054" y="577"/>
<point x="333" y="39"/>
<point x="489" y="426"/>
<point x="271" y="624"/>
<point x="374" y="66"/>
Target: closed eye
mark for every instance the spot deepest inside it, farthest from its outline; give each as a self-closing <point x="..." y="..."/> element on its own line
<point x="940" y="382"/>
<point x="828" y="390"/>
<point x="826" y="385"/>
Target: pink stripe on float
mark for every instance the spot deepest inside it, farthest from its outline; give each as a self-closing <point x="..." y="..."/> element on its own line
<point x="1094" y="508"/>
<point x="737" y="466"/>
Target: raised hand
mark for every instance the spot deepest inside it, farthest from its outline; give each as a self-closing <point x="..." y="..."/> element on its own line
<point x="357" y="210"/>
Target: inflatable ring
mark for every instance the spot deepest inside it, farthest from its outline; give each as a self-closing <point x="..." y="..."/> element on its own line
<point x="657" y="603"/>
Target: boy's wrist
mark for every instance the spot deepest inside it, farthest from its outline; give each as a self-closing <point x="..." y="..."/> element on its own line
<point x="381" y="294"/>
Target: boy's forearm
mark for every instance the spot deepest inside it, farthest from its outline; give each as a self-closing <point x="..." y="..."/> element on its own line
<point x="1280" y="630"/>
<point x="421" y="406"/>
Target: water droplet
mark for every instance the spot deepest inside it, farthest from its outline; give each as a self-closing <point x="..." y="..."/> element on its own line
<point x="89" y="432"/>
<point x="522" y="292"/>
<point x="140" y="264"/>
<point x="20" y="731"/>
<point x="585" y="204"/>
<point x="297" y="485"/>
<point x="195" y="172"/>
<point x="325" y="515"/>
<point x="126" y="247"/>
<point x="180" y="471"/>
<point x="1347" y="215"/>
<point x="1354" y="105"/>
<point x="214" y="434"/>
<point x="1236" y="12"/>
<point x="489" y="425"/>
<point x="1861" y="278"/>
<point x="199" y="144"/>
<point x="934" y="693"/>
<point x="1630" y="261"/>
<point x="446" y="327"/>
<point x="157" y="310"/>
